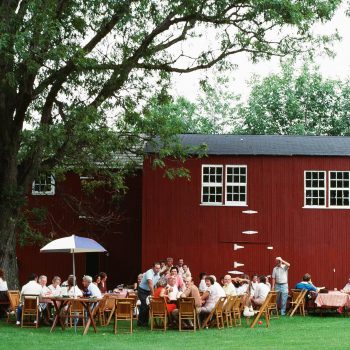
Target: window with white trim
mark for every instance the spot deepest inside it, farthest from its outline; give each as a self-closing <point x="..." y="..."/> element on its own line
<point x="315" y="188"/>
<point x="236" y="184"/>
<point x="44" y="185"/>
<point x="212" y="184"/>
<point x="339" y="188"/>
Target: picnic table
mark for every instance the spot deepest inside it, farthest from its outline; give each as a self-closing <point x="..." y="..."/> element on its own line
<point x="90" y="305"/>
<point x="333" y="299"/>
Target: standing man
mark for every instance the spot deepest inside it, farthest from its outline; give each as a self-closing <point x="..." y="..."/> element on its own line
<point x="146" y="288"/>
<point x="280" y="282"/>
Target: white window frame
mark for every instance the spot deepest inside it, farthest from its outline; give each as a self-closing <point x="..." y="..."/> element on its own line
<point x="240" y="184"/>
<point x="316" y="188"/>
<point x="341" y="188"/>
<point x="44" y="193"/>
<point x="212" y="184"/>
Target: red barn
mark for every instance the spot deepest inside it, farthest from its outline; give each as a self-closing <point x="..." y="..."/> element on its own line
<point x="251" y="199"/>
<point x="69" y="210"/>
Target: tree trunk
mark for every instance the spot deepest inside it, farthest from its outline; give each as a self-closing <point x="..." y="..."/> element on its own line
<point x="8" y="258"/>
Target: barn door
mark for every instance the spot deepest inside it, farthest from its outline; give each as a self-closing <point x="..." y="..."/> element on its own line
<point x="252" y="258"/>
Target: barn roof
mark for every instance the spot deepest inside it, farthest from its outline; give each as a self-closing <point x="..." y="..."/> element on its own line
<point x="277" y="145"/>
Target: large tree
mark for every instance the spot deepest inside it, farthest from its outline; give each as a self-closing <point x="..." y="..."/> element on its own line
<point x="296" y="101"/>
<point x="74" y="75"/>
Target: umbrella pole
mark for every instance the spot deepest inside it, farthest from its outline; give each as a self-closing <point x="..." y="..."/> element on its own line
<point x="74" y="294"/>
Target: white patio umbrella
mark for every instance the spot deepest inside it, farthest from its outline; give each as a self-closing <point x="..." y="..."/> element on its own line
<point x="73" y="245"/>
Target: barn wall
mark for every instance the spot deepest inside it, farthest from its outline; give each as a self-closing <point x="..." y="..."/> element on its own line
<point x="312" y="240"/>
<point x="121" y="236"/>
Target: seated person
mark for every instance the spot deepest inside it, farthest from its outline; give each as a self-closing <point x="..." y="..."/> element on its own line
<point x="3" y="286"/>
<point x="202" y="285"/>
<point x="44" y="302"/>
<point x="172" y="289"/>
<point x="253" y="284"/>
<point x="218" y="287"/>
<point x="242" y="285"/>
<point x="307" y="284"/>
<point x="31" y="288"/>
<point x="102" y="285"/>
<point x="174" y="273"/>
<point x="210" y="297"/>
<point x="260" y="292"/>
<point x="228" y="287"/>
<point x="73" y="291"/>
<point x="191" y="291"/>
<point x="186" y="272"/>
<point x="96" y="280"/>
<point x="92" y="290"/>
<point x="139" y="279"/>
<point x="346" y="289"/>
<point x="55" y="287"/>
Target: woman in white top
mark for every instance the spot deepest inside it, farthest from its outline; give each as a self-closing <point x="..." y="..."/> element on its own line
<point x="55" y="287"/>
<point x="3" y="286"/>
<point x="73" y="291"/>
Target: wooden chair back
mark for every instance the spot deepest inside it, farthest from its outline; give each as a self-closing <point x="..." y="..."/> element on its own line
<point x="158" y="310"/>
<point x="216" y="314"/>
<point x="263" y="311"/>
<point x="297" y="302"/>
<point x="236" y="310"/>
<point x="228" y="309"/>
<point x="272" y="307"/>
<point x="123" y="311"/>
<point x="14" y="300"/>
<point x="101" y="310"/>
<point x="30" y="311"/>
<point x="134" y="298"/>
<point x="187" y="311"/>
<point x="76" y="313"/>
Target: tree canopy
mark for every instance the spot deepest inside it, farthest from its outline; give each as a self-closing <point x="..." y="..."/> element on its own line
<point x="296" y="102"/>
<point x="75" y="75"/>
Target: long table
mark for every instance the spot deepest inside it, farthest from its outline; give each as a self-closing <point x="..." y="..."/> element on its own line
<point x="333" y="299"/>
<point x="90" y="306"/>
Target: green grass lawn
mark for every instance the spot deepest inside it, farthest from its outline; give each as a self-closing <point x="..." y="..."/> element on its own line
<point x="314" y="332"/>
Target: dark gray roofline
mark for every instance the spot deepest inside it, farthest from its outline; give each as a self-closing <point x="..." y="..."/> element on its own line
<point x="262" y="145"/>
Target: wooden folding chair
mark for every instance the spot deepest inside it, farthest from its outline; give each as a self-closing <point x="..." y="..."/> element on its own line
<point x="158" y="311"/>
<point x="30" y="310"/>
<point x="109" y="309"/>
<point x="187" y="311"/>
<point x="134" y="298"/>
<point x="228" y="310"/>
<point x="123" y="311"/>
<point x="272" y="307"/>
<point x="298" y="302"/>
<point x="218" y="313"/>
<point x="237" y="311"/>
<point x="14" y="299"/>
<point x="100" y="312"/>
<point x="263" y="311"/>
<point x="76" y="312"/>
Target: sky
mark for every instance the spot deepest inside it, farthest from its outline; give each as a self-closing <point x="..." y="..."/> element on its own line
<point x="335" y="68"/>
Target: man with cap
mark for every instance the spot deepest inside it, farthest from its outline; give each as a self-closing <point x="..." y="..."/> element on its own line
<point x="280" y="282"/>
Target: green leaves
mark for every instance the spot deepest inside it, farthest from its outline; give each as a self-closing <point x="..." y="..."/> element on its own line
<point x="297" y="101"/>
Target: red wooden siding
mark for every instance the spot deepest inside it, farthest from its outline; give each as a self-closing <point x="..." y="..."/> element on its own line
<point x="121" y="239"/>
<point x="312" y="240"/>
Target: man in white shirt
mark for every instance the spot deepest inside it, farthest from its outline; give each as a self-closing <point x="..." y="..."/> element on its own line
<point x="280" y="282"/>
<point x="202" y="285"/>
<point x="261" y="291"/>
<point x="31" y="288"/>
<point x="92" y="289"/>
